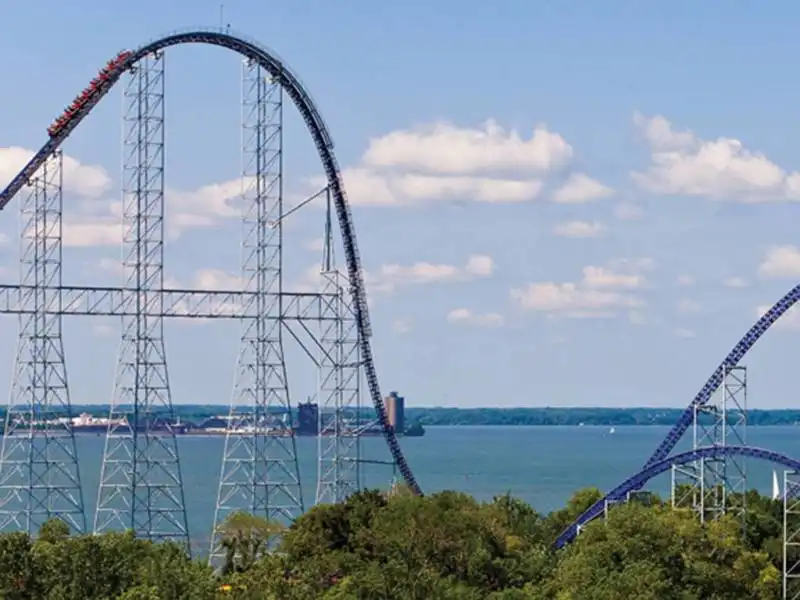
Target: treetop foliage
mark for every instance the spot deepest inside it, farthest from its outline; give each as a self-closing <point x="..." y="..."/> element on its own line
<point x="446" y="546"/>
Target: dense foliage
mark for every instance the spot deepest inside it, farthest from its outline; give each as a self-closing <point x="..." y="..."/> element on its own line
<point x="445" y="546"/>
<point x="507" y="416"/>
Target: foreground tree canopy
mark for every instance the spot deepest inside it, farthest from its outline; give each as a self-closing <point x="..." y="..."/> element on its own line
<point x="445" y="546"/>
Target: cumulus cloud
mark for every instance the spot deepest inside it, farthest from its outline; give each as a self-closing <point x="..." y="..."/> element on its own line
<point x="447" y="149"/>
<point x="217" y="279"/>
<point x="91" y="232"/>
<point x="602" y="292"/>
<point x="97" y="221"/>
<point x="781" y="262"/>
<point x="371" y="188"/>
<point x="683" y="164"/>
<point x="579" y="229"/>
<point x="83" y="180"/>
<point x="580" y="188"/>
<point x="444" y="162"/>
<point x="389" y="277"/>
<point x="467" y="317"/>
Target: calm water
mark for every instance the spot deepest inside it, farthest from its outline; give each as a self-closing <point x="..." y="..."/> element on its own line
<point x="542" y="465"/>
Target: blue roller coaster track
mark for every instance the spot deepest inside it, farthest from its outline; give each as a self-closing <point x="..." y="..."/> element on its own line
<point x="324" y="144"/>
<point x="638" y="480"/>
<point x="738" y="352"/>
<point x="660" y="456"/>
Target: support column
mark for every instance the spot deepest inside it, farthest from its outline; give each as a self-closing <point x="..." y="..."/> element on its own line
<point x="39" y="473"/>
<point x="260" y="473"/>
<point x="339" y="414"/>
<point x="706" y="485"/>
<point x="141" y="485"/>
<point x="791" y="535"/>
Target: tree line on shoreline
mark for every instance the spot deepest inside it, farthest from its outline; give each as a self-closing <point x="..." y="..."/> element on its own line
<point x="563" y="416"/>
<point x="446" y="546"/>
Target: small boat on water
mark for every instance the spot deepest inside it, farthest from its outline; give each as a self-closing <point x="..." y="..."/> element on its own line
<point x="776" y="486"/>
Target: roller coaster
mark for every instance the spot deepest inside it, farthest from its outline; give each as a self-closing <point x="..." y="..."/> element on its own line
<point x="141" y="484"/>
<point x="41" y="301"/>
<point x="661" y="455"/>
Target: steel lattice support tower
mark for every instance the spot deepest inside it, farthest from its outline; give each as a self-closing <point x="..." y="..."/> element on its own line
<point x="260" y="473"/>
<point x="339" y="398"/>
<point x="39" y="474"/>
<point x="141" y="486"/>
<point x="723" y="421"/>
<point x="791" y="535"/>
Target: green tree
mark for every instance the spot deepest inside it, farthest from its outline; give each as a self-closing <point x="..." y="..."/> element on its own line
<point x="245" y="539"/>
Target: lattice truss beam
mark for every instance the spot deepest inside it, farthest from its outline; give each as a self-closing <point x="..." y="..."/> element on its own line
<point x="39" y="475"/>
<point x="706" y="485"/>
<point x="260" y="472"/>
<point x="791" y="535"/>
<point x="141" y="485"/>
<point x="339" y="396"/>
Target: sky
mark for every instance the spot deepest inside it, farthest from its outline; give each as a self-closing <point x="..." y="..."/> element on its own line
<point x="557" y="203"/>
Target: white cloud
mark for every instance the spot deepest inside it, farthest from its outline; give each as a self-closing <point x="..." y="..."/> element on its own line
<point x="602" y="292"/>
<point x="370" y="188"/>
<point x="467" y="317"/>
<point x="580" y="229"/>
<point x="685" y="280"/>
<point x="683" y="164"/>
<point x="602" y="277"/>
<point x="392" y="276"/>
<point x="445" y="148"/>
<point x="735" y="282"/>
<point x="91" y="232"/>
<point x="100" y="224"/>
<point x="780" y="262"/>
<point x="97" y="221"/>
<point x="571" y="300"/>
<point x="483" y="189"/>
<point x="80" y="179"/>
<point x="217" y="279"/>
<point x="628" y="212"/>
<point x="443" y="162"/>
<point x="580" y="188"/>
<point x="683" y="332"/>
<point x="659" y="133"/>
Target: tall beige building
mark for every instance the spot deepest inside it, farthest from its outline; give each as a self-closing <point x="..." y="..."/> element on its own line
<point x="395" y="411"/>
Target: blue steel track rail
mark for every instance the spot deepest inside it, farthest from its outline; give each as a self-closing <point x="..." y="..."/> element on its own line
<point x="638" y="480"/>
<point x="742" y="347"/>
<point x="738" y="352"/>
<point x="322" y="140"/>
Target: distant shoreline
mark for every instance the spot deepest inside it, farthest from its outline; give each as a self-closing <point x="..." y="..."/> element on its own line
<point x="569" y="416"/>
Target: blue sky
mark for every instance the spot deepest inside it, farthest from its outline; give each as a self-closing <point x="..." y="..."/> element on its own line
<point x="557" y="203"/>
